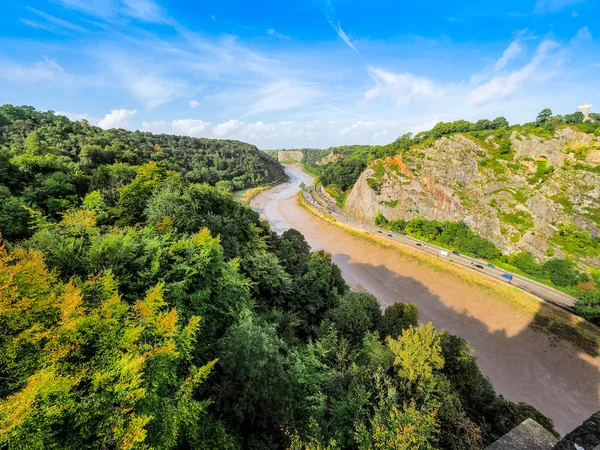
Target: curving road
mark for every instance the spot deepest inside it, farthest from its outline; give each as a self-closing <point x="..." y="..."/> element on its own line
<point x="318" y="200"/>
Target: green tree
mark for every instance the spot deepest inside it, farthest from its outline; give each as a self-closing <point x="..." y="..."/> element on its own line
<point x="134" y="196"/>
<point x="398" y="317"/>
<point x="356" y="314"/>
<point x="418" y="356"/>
<point x="399" y="428"/>
<point x="255" y="389"/>
<point x="561" y="272"/>
<point x="85" y="375"/>
<point x="544" y="118"/>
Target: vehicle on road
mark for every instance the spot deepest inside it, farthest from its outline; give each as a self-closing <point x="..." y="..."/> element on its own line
<point x="456" y="253"/>
<point x="478" y="266"/>
<point x="491" y="266"/>
<point x="389" y="235"/>
<point x="419" y="244"/>
<point x="444" y="253"/>
<point x="508" y="276"/>
<point x="379" y="231"/>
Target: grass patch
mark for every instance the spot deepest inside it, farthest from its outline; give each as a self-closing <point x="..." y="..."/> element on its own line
<point x="390" y="204"/>
<point x="564" y="201"/>
<point x="542" y="172"/>
<point x="521" y="220"/>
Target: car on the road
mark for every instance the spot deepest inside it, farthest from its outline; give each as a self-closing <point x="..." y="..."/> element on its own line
<point x="491" y="266"/>
<point x="508" y="276"/>
<point x="479" y="266"/>
<point x="389" y="235"/>
<point x="444" y="253"/>
<point x="418" y="244"/>
<point x="379" y="231"/>
<point x="456" y="253"/>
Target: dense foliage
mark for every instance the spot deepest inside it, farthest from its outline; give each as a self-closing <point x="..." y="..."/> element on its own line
<point x="159" y="313"/>
<point x="454" y="235"/>
<point x="48" y="163"/>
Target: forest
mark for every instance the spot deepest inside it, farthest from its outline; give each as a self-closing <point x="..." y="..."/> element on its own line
<point x="48" y="163"/>
<point x="142" y="307"/>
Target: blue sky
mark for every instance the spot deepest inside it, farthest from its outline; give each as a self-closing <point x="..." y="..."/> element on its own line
<point x="298" y="73"/>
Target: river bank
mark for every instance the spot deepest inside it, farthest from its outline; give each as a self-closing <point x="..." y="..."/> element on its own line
<point x="523" y="363"/>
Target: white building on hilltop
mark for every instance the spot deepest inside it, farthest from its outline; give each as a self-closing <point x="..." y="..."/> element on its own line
<point x="585" y="109"/>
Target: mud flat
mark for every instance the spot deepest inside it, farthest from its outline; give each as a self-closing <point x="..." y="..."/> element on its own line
<point x="523" y="363"/>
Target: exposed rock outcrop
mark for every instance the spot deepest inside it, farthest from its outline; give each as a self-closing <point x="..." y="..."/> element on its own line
<point x="290" y="156"/>
<point x="518" y="199"/>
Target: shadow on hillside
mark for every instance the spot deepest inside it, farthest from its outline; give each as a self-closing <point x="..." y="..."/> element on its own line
<point x="533" y="366"/>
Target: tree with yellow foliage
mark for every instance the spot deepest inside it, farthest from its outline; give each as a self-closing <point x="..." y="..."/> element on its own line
<point x="79" y="368"/>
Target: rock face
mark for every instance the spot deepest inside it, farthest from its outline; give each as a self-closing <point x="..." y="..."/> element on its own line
<point x="289" y="156"/>
<point x="330" y="158"/>
<point x="518" y="198"/>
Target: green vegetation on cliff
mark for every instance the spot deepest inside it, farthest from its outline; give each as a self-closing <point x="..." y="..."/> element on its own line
<point x="144" y="310"/>
<point x="529" y="188"/>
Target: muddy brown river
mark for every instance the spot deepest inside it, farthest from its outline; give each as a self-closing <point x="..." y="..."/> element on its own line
<point x="523" y="364"/>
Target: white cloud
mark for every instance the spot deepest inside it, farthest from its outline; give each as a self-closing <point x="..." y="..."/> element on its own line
<point x="335" y="23"/>
<point x="273" y="32"/>
<point x="283" y="94"/>
<point x="117" y="118"/>
<point x="143" y="10"/>
<point x="186" y="127"/>
<point x="550" y="6"/>
<point x="535" y="71"/>
<point x="404" y="88"/>
<point x="583" y="34"/>
<point x="515" y="49"/>
<point x="152" y="89"/>
<point x="228" y="127"/>
<point x="194" y="104"/>
<point x="75" y="116"/>
<point x="354" y="129"/>
<point x="44" y="70"/>
<point x="40" y="26"/>
<point x="56" y="21"/>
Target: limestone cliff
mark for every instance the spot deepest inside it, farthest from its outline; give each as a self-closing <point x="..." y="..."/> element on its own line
<point x="289" y="156"/>
<point x="534" y="195"/>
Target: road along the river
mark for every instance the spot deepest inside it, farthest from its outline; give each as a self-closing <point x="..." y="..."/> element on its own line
<point x="524" y="364"/>
<point x="317" y="198"/>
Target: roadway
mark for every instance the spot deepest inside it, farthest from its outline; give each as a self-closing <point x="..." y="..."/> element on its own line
<point x="546" y="293"/>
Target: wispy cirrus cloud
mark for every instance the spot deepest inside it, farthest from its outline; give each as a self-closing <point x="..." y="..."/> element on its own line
<point x="551" y="6"/>
<point x="541" y="67"/>
<point x="43" y="70"/>
<point x="403" y="88"/>
<point x="273" y="32"/>
<point x="515" y="49"/>
<point x="56" y="23"/>
<point x="334" y="21"/>
<point x="143" y="10"/>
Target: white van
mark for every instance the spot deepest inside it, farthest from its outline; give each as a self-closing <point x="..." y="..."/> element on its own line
<point x="444" y="253"/>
